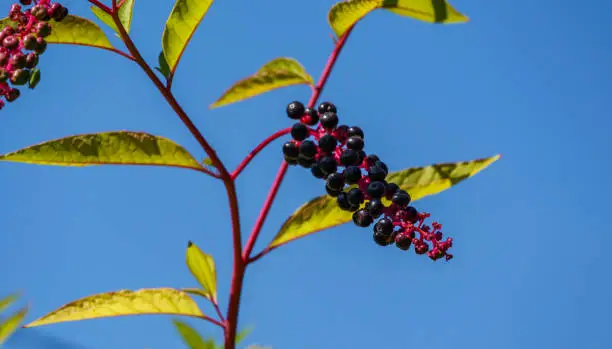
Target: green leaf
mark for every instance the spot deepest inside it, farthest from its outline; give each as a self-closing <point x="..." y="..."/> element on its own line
<point x="106" y="148"/>
<point x="322" y="212"/>
<point x="11" y="324"/>
<point x="184" y="19"/>
<point x="345" y="14"/>
<point x="242" y="334"/>
<point x="154" y="301"/>
<point x="163" y="65"/>
<point x="202" y="267"/>
<point x="8" y="301"/>
<point x="125" y="16"/>
<point x="34" y="78"/>
<point x="280" y="72"/>
<point x="191" y="337"/>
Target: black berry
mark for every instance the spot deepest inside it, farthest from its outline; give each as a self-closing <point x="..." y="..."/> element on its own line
<point x="343" y="202"/>
<point x="29" y="42"/>
<point x="43" y="29"/>
<point x="335" y="181"/>
<point x="295" y="110"/>
<point x="18" y="60"/>
<point x="401" y="198"/>
<point x="392" y="188"/>
<point x="376" y="189"/>
<point x="25" y="2"/>
<point x="12" y="95"/>
<point x="341" y="133"/>
<point x="326" y="107"/>
<point x="327" y="143"/>
<point x="20" y="77"/>
<point x="316" y="171"/>
<point x="376" y="173"/>
<point x="349" y="157"/>
<point x="290" y="150"/>
<point x="372" y="159"/>
<point x="375" y="207"/>
<point x="328" y="165"/>
<point x="331" y="192"/>
<point x="381" y="239"/>
<point x="308" y="149"/>
<point x="362" y="218"/>
<point x="355" y="143"/>
<point x="329" y="120"/>
<point x="352" y="174"/>
<point x="412" y="214"/>
<point x="383" y="166"/>
<point x="384" y="227"/>
<point x="355" y="197"/>
<point x="291" y="161"/>
<point x="355" y="131"/>
<point x="306" y="163"/>
<point x="299" y="132"/>
<point x="41" y="46"/>
<point x="31" y="60"/>
<point x="310" y="117"/>
<point x="403" y="241"/>
<point x="58" y="13"/>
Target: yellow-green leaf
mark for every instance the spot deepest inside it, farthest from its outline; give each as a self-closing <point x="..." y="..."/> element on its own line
<point x="125" y="16"/>
<point x="7" y="301"/>
<point x="184" y="19"/>
<point x="202" y="267"/>
<point x="280" y="72"/>
<point x="106" y="148"/>
<point x="154" y="301"/>
<point x="78" y="31"/>
<point x="322" y="212"/>
<point x="345" y="14"/>
<point x="191" y="337"/>
<point x="11" y="324"/>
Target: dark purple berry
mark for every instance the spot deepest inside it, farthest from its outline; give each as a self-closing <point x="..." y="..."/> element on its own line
<point x="362" y="218"/>
<point x="412" y="214"/>
<point x="328" y="165"/>
<point x="335" y="181"/>
<point x="376" y="189"/>
<point x="299" y="132"/>
<point x="376" y="173"/>
<point x="401" y="198"/>
<point x="12" y="95"/>
<point x="316" y="171"/>
<point x="384" y="226"/>
<point x="372" y="159"/>
<point x="352" y="174"/>
<point x="18" y="60"/>
<point x="295" y="110"/>
<point x="355" y="131"/>
<point x="329" y="120"/>
<point x="308" y="149"/>
<point x="291" y="161"/>
<point x="43" y="29"/>
<point x="403" y="241"/>
<point x="290" y="150"/>
<point x="375" y="207"/>
<point x="355" y="197"/>
<point x="4" y="58"/>
<point x="421" y="248"/>
<point x="383" y="166"/>
<point x="10" y="42"/>
<point x="41" y="46"/>
<point x="59" y="13"/>
<point x="327" y="143"/>
<point x="362" y="155"/>
<point x="40" y="13"/>
<point x="310" y="117"/>
<point x="4" y="75"/>
<point x="392" y="188"/>
<point x="381" y="239"/>
<point x="29" y="42"/>
<point x="355" y="143"/>
<point x="349" y="157"/>
<point x="343" y="202"/>
<point x="341" y="133"/>
<point x="26" y="2"/>
<point x="332" y="193"/>
<point x="20" y="77"/>
<point x="31" y="60"/>
<point x="326" y="107"/>
<point x="306" y="163"/>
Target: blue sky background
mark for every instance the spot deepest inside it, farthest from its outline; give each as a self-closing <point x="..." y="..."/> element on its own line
<point x="531" y="80"/>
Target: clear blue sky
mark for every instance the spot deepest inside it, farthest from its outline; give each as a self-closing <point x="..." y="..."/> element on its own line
<point x="531" y="80"/>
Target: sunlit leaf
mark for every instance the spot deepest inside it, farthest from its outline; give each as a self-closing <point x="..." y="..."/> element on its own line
<point x="163" y="65"/>
<point x="191" y="337"/>
<point x="125" y="16"/>
<point x="280" y="72"/>
<point x="202" y="266"/>
<point x="7" y="301"/>
<point x="345" y="14"/>
<point x="322" y="212"/>
<point x="11" y="324"/>
<point x="154" y="301"/>
<point x="107" y="148"/>
<point x="184" y="19"/>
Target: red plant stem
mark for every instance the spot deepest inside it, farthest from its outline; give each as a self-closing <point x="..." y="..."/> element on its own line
<point x="219" y="314"/>
<point x="257" y="149"/>
<point x="239" y="270"/>
<point x="101" y="6"/>
<point x="211" y="320"/>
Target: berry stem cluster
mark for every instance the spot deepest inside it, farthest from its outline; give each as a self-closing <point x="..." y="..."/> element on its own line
<point x="241" y="257"/>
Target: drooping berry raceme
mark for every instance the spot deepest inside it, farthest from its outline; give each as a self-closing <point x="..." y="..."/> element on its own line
<point x="335" y="153"/>
<point x="26" y="31"/>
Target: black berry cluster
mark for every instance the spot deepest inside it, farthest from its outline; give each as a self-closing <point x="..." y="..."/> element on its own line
<point x="22" y="42"/>
<point x="335" y="153"/>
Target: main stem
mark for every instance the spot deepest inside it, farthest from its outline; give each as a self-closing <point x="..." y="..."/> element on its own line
<point x="240" y="268"/>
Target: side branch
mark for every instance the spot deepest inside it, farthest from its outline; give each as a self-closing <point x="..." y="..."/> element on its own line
<point x="257" y="149"/>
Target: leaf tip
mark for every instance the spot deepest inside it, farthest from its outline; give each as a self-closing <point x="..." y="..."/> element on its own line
<point x="189" y="243"/>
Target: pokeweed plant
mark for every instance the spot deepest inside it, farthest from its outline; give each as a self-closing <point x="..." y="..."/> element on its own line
<point x="359" y="186"/>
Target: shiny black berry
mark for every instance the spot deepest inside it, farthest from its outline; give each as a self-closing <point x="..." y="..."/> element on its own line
<point x="58" y="12"/>
<point x="343" y="202"/>
<point x="295" y="110"/>
<point x="335" y="181"/>
<point x="12" y="95"/>
<point x="372" y="159"/>
<point x="383" y="166"/>
<point x="290" y="150"/>
<point x="20" y="77"/>
<point x="375" y="207"/>
<point x="326" y="107"/>
<point x="328" y="165"/>
<point x="376" y="173"/>
<point x="316" y="171"/>
<point x="349" y="157"/>
<point x="362" y="218"/>
<point x="299" y="132"/>
<point x="355" y="143"/>
<point x="384" y="227"/>
<point x="403" y="241"/>
<point x="412" y="214"/>
<point x="355" y="131"/>
<point x="308" y="149"/>
<point x="31" y="60"/>
<point x="392" y="188"/>
<point x="352" y="174"/>
<point x="327" y="143"/>
<point x="329" y="120"/>
<point x="355" y="197"/>
<point x="401" y="198"/>
<point x="25" y="2"/>
<point x="291" y="161"/>
<point x="332" y="193"/>
<point x="41" y="46"/>
<point x="306" y="163"/>
<point x="381" y="239"/>
<point x="310" y="117"/>
<point x="376" y="189"/>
